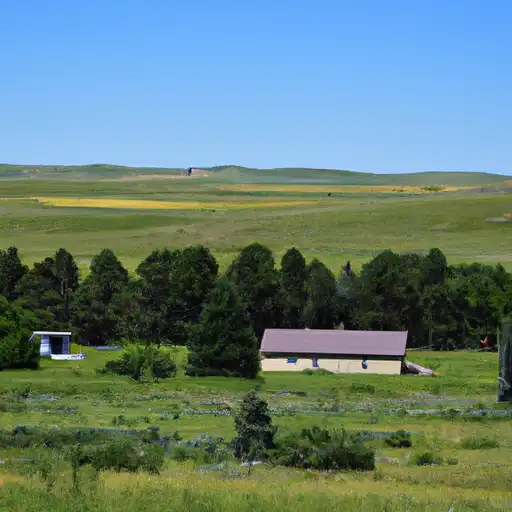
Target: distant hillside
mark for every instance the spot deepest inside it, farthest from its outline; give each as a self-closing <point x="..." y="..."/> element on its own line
<point x="303" y="175"/>
<point x="93" y="171"/>
<point x="238" y="174"/>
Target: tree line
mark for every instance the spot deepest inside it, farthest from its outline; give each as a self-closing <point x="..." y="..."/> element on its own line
<point x="180" y="297"/>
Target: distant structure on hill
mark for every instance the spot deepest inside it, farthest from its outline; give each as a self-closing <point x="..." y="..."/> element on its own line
<point x="195" y="171"/>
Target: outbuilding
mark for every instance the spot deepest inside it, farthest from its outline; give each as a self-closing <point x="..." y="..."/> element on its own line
<point x="338" y="351"/>
<point x="53" y="342"/>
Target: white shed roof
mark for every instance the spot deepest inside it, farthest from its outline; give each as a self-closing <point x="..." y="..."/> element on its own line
<point x="50" y="333"/>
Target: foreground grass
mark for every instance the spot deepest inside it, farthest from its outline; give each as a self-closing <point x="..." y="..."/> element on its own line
<point x="180" y="488"/>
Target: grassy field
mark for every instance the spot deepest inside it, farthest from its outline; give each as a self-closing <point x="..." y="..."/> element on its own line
<point x="333" y="217"/>
<point x="72" y="394"/>
<point x="334" y="223"/>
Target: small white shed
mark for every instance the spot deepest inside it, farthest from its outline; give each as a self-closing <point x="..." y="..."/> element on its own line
<point x="53" y="342"/>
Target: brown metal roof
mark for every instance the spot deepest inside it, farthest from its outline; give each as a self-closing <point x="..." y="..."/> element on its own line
<point x="319" y="341"/>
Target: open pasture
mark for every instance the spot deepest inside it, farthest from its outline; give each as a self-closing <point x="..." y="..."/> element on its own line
<point x="134" y="217"/>
<point x="476" y="474"/>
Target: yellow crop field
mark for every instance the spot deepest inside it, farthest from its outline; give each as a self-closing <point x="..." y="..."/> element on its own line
<point x="135" y="204"/>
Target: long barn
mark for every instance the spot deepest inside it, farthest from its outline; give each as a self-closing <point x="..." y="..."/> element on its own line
<point x="338" y="351"/>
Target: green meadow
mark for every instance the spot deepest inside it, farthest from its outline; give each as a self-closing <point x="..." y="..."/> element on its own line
<point x="333" y="221"/>
<point x="334" y="216"/>
<point x="440" y="412"/>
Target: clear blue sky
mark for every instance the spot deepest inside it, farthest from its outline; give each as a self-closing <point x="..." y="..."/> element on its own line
<point x="377" y="86"/>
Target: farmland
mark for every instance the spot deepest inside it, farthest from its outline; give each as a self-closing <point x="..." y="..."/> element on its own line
<point x="342" y="217"/>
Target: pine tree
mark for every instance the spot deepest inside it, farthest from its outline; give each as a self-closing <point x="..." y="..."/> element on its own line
<point x="16" y="325"/>
<point x="68" y="277"/>
<point x="48" y="288"/>
<point x="104" y="303"/>
<point x="11" y="272"/>
<point x="435" y="268"/>
<point x="253" y="425"/>
<point x="193" y="275"/>
<point x="156" y="322"/>
<point x="292" y="288"/>
<point x="322" y="309"/>
<point x="257" y="282"/>
<point x="223" y="343"/>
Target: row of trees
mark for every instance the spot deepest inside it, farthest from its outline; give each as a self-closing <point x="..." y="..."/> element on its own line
<point x="179" y="297"/>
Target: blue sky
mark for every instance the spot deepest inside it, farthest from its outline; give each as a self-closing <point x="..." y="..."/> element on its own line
<point x="376" y="86"/>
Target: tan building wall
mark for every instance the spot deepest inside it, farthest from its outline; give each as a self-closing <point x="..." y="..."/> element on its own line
<point x="332" y="365"/>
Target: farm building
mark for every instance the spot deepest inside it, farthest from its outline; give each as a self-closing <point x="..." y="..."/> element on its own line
<point x="56" y="343"/>
<point x="338" y="351"/>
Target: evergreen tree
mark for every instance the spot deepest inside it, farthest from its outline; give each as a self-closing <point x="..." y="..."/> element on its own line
<point x="322" y="306"/>
<point x="480" y="301"/>
<point x="292" y="288"/>
<point x="257" y="282"/>
<point x="108" y="274"/>
<point x="68" y="277"/>
<point x="47" y="289"/>
<point x="11" y="272"/>
<point x="193" y="275"/>
<point x="223" y="343"/>
<point x="38" y="292"/>
<point x="104" y="304"/>
<point x="16" y="326"/>
<point x="253" y="425"/>
<point x="389" y="294"/>
<point x="435" y="268"/>
<point x="156" y="322"/>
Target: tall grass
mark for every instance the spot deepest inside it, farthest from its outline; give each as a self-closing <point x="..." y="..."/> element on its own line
<point x="266" y="490"/>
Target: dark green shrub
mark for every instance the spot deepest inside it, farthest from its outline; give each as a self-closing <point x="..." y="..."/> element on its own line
<point x="319" y="371"/>
<point x="362" y="387"/>
<point x="183" y="453"/>
<point x="124" y="454"/>
<point x="322" y="449"/>
<point x="138" y="362"/>
<point x="399" y="439"/>
<point x="15" y="330"/>
<point x="479" y="443"/>
<point x="426" y="459"/>
<point x="162" y="366"/>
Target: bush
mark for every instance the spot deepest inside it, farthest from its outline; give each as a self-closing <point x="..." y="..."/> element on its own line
<point x="34" y="437"/>
<point x="120" y="454"/>
<point x="137" y="362"/>
<point x="318" y="448"/>
<point x="162" y="366"/>
<point x="426" y="459"/>
<point x="362" y="387"/>
<point x="479" y="443"/>
<point x="319" y="371"/>
<point x="15" y="349"/>
<point x="399" y="439"/>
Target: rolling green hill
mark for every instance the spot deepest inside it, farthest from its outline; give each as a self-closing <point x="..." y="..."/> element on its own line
<point x="238" y="174"/>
